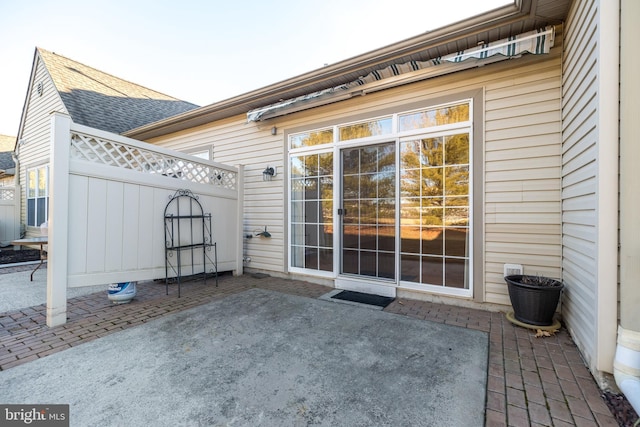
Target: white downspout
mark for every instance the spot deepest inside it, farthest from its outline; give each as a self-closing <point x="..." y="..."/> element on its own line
<point x="16" y="160"/>
<point x="626" y="365"/>
<point x="16" y="184"/>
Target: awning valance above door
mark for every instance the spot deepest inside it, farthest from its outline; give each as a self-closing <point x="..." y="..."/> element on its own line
<point x="533" y="42"/>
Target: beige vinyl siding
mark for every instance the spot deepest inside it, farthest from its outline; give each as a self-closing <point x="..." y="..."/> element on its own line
<point x="522" y="177"/>
<point x="522" y="161"/>
<point x="580" y="174"/>
<point x="34" y="151"/>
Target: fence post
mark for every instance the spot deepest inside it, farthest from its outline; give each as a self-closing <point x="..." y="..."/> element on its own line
<point x="59" y="146"/>
<point x="17" y="195"/>
<point x="239" y="223"/>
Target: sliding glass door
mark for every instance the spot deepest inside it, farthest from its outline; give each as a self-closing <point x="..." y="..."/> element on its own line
<point x="368" y="211"/>
<point x="397" y="189"/>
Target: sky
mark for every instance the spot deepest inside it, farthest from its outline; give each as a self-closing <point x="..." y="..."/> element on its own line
<point x="206" y="51"/>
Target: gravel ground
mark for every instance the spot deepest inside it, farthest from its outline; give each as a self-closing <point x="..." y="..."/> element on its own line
<point x="621" y="409"/>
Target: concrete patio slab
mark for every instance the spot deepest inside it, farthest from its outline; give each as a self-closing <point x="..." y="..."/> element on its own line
<point x="266" y="358"/>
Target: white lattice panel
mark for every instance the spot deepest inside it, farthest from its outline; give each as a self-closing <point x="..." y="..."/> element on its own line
<point x="7" y="193"/>
<point x="116" y="154"/>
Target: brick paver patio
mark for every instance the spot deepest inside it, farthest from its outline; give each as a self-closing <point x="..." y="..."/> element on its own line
<point x="531" y="381"/>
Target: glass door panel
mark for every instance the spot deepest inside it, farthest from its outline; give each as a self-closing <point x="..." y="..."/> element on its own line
<point x="368" y="211"/>
<point x="435" y="216"/>
<point x="312" y="211"/>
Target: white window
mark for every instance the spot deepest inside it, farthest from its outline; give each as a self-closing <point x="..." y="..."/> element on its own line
<point x="37" y="195"/>
<point x="203" y="152"/>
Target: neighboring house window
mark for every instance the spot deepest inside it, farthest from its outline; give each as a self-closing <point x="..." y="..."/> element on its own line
<point x="202" y="152"/>
<point x="37" y="195"/>
<point x="401" y="187"/>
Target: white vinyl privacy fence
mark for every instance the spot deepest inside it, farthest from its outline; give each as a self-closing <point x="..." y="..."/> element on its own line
<point x="106" y="215"/>
<point x="9" y="215"/>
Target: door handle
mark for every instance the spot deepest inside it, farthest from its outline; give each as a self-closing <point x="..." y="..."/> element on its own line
<point x="342" y="211"/>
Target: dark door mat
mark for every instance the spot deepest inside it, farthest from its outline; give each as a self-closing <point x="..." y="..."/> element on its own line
<point x="363" y="298"/>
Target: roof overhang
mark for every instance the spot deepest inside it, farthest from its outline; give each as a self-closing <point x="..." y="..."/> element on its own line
<point x="503" y="22"/>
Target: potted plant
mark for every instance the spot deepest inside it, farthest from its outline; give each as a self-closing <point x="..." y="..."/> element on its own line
<point x="534" y="298"/>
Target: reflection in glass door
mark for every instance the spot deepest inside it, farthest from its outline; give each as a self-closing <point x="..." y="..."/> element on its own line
<point x="368" y="211"/>
<point x="435" y="214"/>
<point x="312" y="211"/>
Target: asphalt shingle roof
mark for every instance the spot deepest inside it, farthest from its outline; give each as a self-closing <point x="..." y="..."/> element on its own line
<point x="6" y="161"/>
<point x="6" y="147"/>
<point x="99" y="100"/>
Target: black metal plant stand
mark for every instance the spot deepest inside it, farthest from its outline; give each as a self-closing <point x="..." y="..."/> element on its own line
<point x="188" y="237"/>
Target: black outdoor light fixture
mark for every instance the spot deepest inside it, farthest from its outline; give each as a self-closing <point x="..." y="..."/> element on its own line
<point x="268" y="173"/>
<point x="264" y="233"/>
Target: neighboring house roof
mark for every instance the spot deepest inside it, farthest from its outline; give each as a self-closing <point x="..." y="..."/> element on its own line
<point x="500" y="23"/>
<point x="7" y="165"/>
<point x="102" y="101"/>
